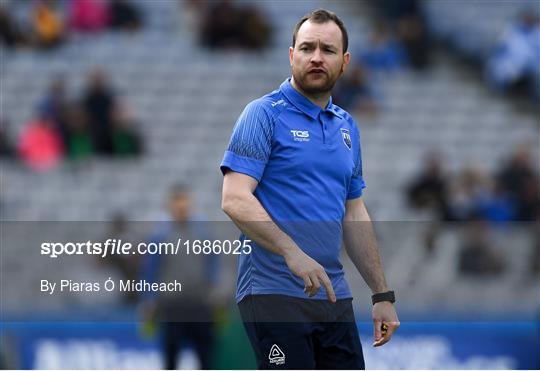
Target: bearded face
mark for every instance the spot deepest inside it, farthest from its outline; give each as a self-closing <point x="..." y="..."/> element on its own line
<point x="317" y="59"/>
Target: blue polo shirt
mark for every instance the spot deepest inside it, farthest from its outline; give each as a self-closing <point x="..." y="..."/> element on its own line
<point x="307" y="163"/>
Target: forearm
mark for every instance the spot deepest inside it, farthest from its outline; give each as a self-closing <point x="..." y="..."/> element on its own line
<point x="250" y="216"/>
<point x="361" y="246"/>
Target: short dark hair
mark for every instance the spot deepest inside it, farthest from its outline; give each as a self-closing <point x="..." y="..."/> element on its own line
<point x="322" y="16"/>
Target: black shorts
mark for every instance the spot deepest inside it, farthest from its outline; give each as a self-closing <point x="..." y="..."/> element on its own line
<point x="293" y="333"/>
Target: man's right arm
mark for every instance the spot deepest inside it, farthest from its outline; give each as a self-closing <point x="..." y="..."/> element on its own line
<point x="239" y="203"/>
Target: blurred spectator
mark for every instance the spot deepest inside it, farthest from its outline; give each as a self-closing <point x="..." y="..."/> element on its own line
<point x="496" y="206"/>
<point x="475" y="193"/>
<point x="394" y="10"/>
<point x="186" y="317"/>
<point x="413" y="36"/>
<point x="126" y="140"/>
<point x="407" y="18"/>
<point x="519" y="178"/>
<point x="467" y="192"/>
<point x="515" y="59"/>
<point x="128" y="265"/>
<point x="98" y="102"/>
<point x="428" y="191"/>
<point x="54" y="105"/>
<point x="124" y="15"/>
<point x="477" y="257"/>
<point x="40" y="145"/>
<point x="220" y="25"/>
<point x="355" y="93"/>
<point x="255" y="31"/>
<point x="10" y="33"/>
<point x="79" y="141"/>
<point x="89" y="15"/>
<point x="47" y="24"/>
<point x="228" y="25"/>
<point x="529" y="209"/>
<point x="6" y="148"/>
<point x="382" y="53"/>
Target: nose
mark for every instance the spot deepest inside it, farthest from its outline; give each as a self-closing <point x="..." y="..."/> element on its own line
<point x="316" y="57"/>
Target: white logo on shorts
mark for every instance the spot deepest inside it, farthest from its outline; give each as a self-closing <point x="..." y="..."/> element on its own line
<point x="276" y="355"/>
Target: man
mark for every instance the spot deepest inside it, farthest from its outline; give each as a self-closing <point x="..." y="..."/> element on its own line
<point x="293" y="183"/>
<point x="185" y="318"/>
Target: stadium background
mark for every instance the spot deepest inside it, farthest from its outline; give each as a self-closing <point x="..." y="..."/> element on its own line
<point x="447" y="101"/>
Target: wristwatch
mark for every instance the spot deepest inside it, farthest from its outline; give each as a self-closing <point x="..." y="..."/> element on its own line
<point x="383" y="296"/>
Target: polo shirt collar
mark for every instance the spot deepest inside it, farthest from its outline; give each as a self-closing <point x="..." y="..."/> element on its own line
<point x="303" y="103"/>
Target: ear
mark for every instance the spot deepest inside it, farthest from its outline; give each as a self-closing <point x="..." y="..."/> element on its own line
<point x="346" y="60"/>
<point x="291" y="51"/>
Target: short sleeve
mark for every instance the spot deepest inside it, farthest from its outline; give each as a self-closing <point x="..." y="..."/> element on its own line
<point x="251" y="142"/>
<point x="357" y="183"/>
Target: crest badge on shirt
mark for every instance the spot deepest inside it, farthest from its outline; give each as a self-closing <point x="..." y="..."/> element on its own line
<point x="346" y="138"/>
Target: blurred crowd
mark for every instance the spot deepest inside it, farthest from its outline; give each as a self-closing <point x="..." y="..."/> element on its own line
<point x="482" y="202"/>
<point x="398" y="39"/>
<point x="226" y="24"/>
<point x="512" y="193"/>
<point x="96" y="123"/>
<point x="220" y="24"/>
<point x="52" y="21"/>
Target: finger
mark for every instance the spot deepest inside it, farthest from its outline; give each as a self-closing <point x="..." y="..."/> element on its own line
<point x="316" y="284"/>
<point x="391" y="327"/>
<point x="376" y="331"/>
<point x="328" y="286"/>
<point x="382" y="341"/>
<point x="307" y="284"/>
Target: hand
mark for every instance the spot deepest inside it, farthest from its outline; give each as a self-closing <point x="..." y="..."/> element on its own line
<point x="311" y="272"/>
<point x="384" y="313"/>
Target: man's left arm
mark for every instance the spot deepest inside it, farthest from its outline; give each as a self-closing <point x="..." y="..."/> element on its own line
<point x="361" y="246"/>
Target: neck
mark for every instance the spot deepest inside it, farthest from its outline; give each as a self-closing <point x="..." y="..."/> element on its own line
<point x="320" y="99"/>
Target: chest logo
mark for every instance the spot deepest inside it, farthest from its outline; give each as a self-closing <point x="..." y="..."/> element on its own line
<point x="300" y="136"/>
<point x="346" y="138"/>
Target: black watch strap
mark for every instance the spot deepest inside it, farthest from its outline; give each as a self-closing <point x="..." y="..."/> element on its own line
<point x="383" y="296"/>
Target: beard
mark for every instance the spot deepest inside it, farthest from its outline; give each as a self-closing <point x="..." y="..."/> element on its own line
<point x="324" y="84"/>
